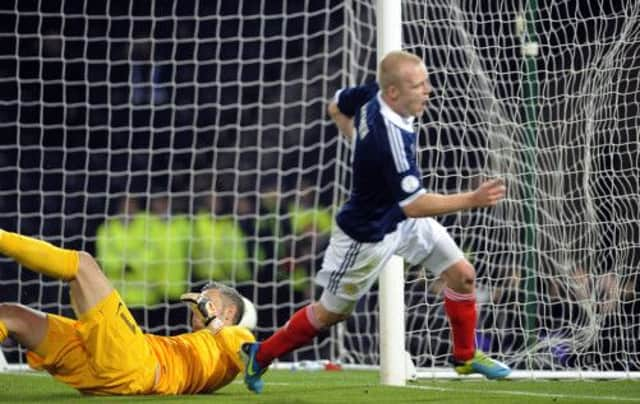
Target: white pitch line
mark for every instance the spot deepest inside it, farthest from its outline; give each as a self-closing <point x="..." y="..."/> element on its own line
<point x="270" y="383"/>
<point x="28" y="373"/>
<point x="505" y="392"/>
<point x="526" y="393"/>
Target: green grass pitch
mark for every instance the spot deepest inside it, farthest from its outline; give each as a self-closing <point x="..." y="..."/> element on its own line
<point x="348" y="387"/>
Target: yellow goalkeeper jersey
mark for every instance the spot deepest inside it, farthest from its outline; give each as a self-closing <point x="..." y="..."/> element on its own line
<point x="105" y="353"/>
<point x="198" y="362"/>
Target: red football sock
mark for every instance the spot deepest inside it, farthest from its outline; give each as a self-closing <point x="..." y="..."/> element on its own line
<point x="461" y="310"/>
<point x="301" y="328"/>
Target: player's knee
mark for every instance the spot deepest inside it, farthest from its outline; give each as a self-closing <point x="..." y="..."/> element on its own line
<point x="26" y="326"/>
<point x="460" y="277"/>
<point x="9" y="309"/>
<point x="12" y="315"/>
<point x="329" y="319"/>
<point x="326" y="318"/>
<point x="87" y="263"/>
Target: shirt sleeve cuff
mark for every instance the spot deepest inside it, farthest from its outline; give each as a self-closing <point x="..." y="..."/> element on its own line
<point x="412" y="197"/>
<point x="336" y="96"/>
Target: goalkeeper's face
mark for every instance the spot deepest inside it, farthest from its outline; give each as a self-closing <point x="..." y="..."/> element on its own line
<point x="226" y="311"/>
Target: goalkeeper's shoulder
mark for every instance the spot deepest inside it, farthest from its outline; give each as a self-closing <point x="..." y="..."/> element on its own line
<point x="230" y="340"/>
<point x="239" y="334"/>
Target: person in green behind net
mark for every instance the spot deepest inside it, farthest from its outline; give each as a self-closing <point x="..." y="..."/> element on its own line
<point x="123" y="253"/>
<point x="104" y="351"/>
<point x="311" y="227"/>
<point x="218" y="245"/>
<point x="388" y="212"/>
<point x="143" y="252"/>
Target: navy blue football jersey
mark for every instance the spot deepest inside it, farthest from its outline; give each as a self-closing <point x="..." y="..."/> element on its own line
<point x="385" y="172"/>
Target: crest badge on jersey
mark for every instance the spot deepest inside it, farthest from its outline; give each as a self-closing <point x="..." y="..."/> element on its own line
<point x="350" y="289"/>
<point x="410" y="184"/>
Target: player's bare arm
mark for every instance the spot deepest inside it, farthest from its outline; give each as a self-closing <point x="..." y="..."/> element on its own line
<point x="488" y="194"/>
<point x="342" y="121"/>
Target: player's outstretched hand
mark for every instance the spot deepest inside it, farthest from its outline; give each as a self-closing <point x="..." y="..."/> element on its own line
<point x="489" y="193"/>
<point x="204" y="308"/>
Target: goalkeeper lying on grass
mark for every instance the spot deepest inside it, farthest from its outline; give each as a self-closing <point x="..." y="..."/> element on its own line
<point x="104" y="352"/>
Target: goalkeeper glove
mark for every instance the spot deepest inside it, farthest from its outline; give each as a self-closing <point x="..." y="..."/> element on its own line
<point x="204" y="308"/>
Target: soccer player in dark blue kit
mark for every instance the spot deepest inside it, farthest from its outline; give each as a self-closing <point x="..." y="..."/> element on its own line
<point x="388" y="212"/>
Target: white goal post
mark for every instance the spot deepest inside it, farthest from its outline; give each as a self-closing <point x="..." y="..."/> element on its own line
<point x="185" y="141"/>
<point x="392" y="345"/>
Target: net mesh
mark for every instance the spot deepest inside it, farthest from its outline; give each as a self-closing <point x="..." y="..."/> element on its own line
<point x="557" y="260"/>
<point x="176" y="141"/>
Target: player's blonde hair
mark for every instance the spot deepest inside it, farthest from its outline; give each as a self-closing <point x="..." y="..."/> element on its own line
<point x="390" y="68"/>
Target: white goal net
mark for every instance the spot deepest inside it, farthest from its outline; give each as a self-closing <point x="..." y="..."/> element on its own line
<point x="547" y="98"/>
<point x="186" y="141"/>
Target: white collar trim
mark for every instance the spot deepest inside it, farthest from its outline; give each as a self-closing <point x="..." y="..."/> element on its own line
<point x="393" y="116"/>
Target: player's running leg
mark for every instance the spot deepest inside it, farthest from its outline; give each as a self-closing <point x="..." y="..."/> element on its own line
<point x="445" y="259"/>
<point x="460" y="307"/>
<point x="300" y="330"/>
